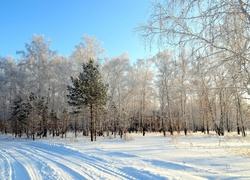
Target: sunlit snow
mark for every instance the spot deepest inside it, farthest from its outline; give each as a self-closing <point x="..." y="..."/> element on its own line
<point x="196" y="156"/>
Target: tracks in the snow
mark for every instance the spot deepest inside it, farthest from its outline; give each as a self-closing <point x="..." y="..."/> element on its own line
<point x="36" y="160"/>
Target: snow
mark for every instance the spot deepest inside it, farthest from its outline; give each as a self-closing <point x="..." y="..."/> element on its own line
<point x="196" y="156"/>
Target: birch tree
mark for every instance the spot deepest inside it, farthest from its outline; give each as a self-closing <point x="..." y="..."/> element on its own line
<point x="116" y="72"/>
<point x="89" y="48"/>
<point x="166" y="67"/>
<point x="36" y="58"/>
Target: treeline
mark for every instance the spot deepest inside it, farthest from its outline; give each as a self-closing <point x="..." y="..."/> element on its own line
<point x="158" y="94"/>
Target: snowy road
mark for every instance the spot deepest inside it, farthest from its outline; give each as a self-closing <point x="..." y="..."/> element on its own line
<point x="33" y="160"/>
<point x="142" y="158"/>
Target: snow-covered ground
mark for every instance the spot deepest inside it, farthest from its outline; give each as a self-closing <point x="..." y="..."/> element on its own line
<point x="196" y="156"/>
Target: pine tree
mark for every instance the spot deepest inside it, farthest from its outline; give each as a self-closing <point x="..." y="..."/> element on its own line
<point x="89" y="91"/>
<point x="16" y="117"/>
<point x="19" y="116"/>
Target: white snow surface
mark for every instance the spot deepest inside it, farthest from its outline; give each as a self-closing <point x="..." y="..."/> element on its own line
<point x="196" y="156"/>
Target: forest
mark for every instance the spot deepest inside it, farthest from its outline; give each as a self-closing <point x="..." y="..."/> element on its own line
<point x="198" y="81"/>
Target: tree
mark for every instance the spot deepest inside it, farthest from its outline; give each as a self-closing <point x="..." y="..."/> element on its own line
<point x="182" y="83"/>
<point x="143" y="92"/>
<point x="36" y="60"/>
<point x="60" y="70"/>
<point x="8" y="86"/>
<point x="166" y="68"/>
<point x="89" y="91"/>
<point x="89" y="48"/>
<point x="64" y="123"/>
<point x="116" y="72"/>
<point x="19" y="116"/>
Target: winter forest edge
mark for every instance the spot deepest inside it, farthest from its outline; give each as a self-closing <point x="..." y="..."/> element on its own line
<point x="199" y="80"/>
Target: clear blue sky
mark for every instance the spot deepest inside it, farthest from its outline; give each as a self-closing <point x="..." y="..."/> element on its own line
<point x="65" y="21"/>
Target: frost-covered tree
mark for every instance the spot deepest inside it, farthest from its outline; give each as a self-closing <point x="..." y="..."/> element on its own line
<point x="116" y="72"/>
<point x="89" y="48"/>
<point x="166" y="73"/>
<point x="11" y="84"/>
<point x="59" y="72"/>
<point x="36" y="58"/>
<point x="143" y="92"/>
<point x="89" y="91"/>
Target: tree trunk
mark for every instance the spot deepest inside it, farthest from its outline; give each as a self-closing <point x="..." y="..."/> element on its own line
<point x="183" y="111"/>
<point x="169" y="115"/>
<point x="221" y="126"/>
<point x="163" y="127"/>
<point x="75" y="127"/>
<point x="33" y="126"/>
<point x="241" y="117"/>
<point x="44" y="124"/>
<point x="92" y="131"/>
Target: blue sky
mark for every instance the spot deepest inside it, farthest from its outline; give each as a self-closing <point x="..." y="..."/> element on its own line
<point x="64" y="22"/>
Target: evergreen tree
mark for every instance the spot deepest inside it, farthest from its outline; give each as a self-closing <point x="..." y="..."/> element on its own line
<point x="16" y="112"/>
<point x="88" y="90"/>
<point x="19" y="117"/>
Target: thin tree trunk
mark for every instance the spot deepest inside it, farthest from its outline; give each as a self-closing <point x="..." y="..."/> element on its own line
<point x="237" y="121"/>
<point x="92" y="131"/>
<point x="169" y="115"/>
<point x="163" y="127"/>
<point x="241" y="117"/>
<point x="75" y="128"/>
<point x="183" y="108"/>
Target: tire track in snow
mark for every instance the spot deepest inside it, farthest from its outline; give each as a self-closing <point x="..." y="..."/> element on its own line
<point x="77" y="170"/>
<point x="92" y="167"/>
<point x="58" y="168"/>
<point x="32" y="166"/>
<point x="98" y="167"/>
<point x="102" y="164"/>
<point x="42" y="166"/>
<point x="29" y="166"/>
<point x="108" y="167"/>
<point x="17" y="169"/>
<point x="5" y="166"/>
<point x="26" y="165"/>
